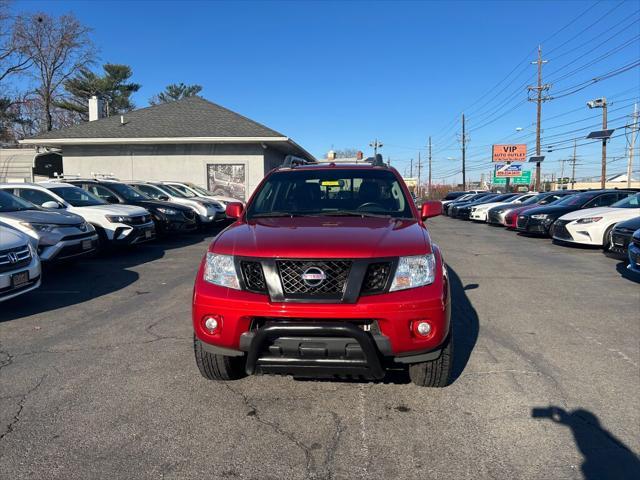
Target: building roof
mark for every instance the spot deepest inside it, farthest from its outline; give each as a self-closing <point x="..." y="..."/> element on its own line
<point x="189" y="120"/>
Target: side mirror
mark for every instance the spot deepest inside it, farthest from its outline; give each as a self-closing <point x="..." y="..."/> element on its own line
<point x="51" y="204"/>
<point x="431" y="208"/>
<point x="112" y="199"/>
<point x="164" y="198"/>
<point x="234" y="209"/>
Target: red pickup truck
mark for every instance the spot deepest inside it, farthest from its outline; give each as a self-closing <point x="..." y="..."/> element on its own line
<point x="329" y="272"/>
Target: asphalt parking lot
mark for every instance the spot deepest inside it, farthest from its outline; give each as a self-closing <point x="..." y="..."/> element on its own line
<point x="98" y="380"/>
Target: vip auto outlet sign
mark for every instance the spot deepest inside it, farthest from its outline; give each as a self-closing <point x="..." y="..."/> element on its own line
<point x="510" y="153"/>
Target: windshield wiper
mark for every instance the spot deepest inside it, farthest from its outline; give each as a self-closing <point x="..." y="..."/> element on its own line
<point x="351" y="213"/>
<point x="282" y="214"/>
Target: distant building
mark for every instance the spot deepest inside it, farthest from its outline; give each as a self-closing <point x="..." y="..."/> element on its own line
<point x="28" y="164"/>
<point x="191" y="140"/>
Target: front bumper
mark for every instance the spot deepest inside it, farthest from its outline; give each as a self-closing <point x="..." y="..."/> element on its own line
<point x="566" y="231"/>
<point x="478" y="215"/>
<point x="494" y="218"/>
<point x="69" y="247"/>
<point x="134" y="234"/>
<point x="7" y="290"/>
<point x="390" y="315"/>
<point x="534" y="226"/>
<point x="185" y="222"/>
<point x="620" y="241"/>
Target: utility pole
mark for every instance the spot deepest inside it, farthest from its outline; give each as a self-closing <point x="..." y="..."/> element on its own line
<point x="429" y="168"/>
<point x="375" y="145"/>
<point x="573" y="165"/>
<point x="419" y="173"/>
<point x="464" y="155"/>
<point x="561" y="178"/>
<point x="538" y="99"/>
<point x="632" y="142"/>
<point x="603" y="179"/>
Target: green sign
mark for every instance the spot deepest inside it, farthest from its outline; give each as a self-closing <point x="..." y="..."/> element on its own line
<point x="525" y="179"/>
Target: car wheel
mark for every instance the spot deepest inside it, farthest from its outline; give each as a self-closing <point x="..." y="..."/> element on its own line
<point x="607" y="242"/>
<point x="218" y="367"/>
<point x="436" y="373"/>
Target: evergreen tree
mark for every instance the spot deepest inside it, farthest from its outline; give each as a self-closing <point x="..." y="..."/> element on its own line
<point x="175" y="91"/>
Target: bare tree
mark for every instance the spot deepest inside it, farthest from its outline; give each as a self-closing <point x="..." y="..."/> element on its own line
<point x="58" y="48"/>
<point x="12" y="60"/>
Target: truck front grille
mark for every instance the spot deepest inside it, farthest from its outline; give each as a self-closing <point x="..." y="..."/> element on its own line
<point x="375" y="280"/>
<point x="335" y="274"/>
<point x="253" y="276"/>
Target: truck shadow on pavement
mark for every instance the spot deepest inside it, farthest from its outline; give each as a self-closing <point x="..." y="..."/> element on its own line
<point x="465" y="323"/>
<point x="73" y="283"/>
<point x="605" y="456"/>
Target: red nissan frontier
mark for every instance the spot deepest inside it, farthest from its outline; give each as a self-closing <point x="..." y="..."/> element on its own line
<point x="329" y="271"/>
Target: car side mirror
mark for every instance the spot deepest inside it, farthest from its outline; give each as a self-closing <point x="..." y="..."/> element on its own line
<point x="163" y="197"/>
<point x="112" y="199"/>
<point x="51" y="204"/>
<point x="431" y="208"/>
<point x="234" y="209"/>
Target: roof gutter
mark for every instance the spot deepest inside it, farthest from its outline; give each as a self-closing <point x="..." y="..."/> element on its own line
<point x="59" y="142"/>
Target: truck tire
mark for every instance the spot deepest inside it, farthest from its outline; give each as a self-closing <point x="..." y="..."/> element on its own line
<point x="218" y="367"/>
<point x="436" y="373"/>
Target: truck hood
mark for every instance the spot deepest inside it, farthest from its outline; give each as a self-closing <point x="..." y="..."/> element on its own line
<point x="324" y="237"/>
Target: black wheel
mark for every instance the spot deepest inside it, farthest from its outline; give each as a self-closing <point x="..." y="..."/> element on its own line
<point x="607" y="243"/>
<point x="436" y="373"/>
<point x="218" y="367"/>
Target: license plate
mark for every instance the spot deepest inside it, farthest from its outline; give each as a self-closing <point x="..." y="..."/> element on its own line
<point x="86" y="244"/>
<point x="147" y="234"/>
<point x="19" y="279"/>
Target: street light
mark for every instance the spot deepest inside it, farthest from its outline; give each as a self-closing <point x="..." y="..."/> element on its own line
<point x="601" y="103"/>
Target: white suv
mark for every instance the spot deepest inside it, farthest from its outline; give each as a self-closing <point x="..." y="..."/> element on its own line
<point x="116" y="224"/>
<point x="191" y="190"/>
<point x="20" y="270"/>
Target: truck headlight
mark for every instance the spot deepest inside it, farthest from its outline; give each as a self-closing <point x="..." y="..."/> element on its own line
<point x="221" y="270"/>
<point x="582" y="221"/>
<point x="415" y="271"/>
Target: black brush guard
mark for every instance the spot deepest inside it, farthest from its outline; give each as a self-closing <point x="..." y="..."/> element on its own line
<point x="318" y="349"/>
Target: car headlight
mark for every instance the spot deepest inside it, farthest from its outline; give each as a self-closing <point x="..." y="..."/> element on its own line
<point x="415" y="271"/>
<point x="540" y="216"/>
<point x="221" y="270"/>
<point x="118" y="218"/>
<point x="40" y="227"/>
<point x="167" y="211"/>
<point x="588" y="220"/>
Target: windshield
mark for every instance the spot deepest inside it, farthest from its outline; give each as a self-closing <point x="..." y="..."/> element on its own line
<point x="172" y="192"/>
<point x="549" y="199"/>
<point x="632" y="201"/>
<point x="11" y="203"/>
<point x="577" y="199"/>
<point x="127" y="192"/>
<point x="201" y="190"/>
<point x="453" y="195"/>
<point x="487" y="199"/>
<point x="331" y="192"/>
<point x="77" y="197"/>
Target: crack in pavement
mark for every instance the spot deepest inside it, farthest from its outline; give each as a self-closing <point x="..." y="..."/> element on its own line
<point x="7" y="361"/>
<point x="16" y="417"/>
<point x="253" y="410"/>
<point x="331" y="450"/>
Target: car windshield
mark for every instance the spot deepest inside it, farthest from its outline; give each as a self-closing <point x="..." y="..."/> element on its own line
<point x="184" y="191"/>
<point x="549" y="199"/>
<point x="201" y="190"/>
<point x="331" y="192"/>
<point x="77" y="197"/>
<point x="453" y="195"/>
<point x="577" y="199"/>
<point x="172" y="192"/>
<point x="11" y="203"/>
<point x="632" y="201"/>
<point x="488" y="199"/>
<point x="127" y="192"/>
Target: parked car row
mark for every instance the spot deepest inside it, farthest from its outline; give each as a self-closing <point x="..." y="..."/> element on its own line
<point x="608" y="218"/>
<point x="58" y="220"/>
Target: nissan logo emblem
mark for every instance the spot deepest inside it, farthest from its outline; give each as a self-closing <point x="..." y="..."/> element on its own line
<point x="13" y="258"/>
<point x="313" y="277"/>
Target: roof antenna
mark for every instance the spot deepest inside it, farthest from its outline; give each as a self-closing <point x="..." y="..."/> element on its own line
<point x="121" y="119"/>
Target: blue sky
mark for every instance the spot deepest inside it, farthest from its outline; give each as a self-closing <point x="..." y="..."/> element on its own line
<point x="339" y="74"/>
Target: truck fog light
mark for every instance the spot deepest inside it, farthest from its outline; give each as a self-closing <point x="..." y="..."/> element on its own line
<point x="422" y="328"/>
<point x="211" y="323"/>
